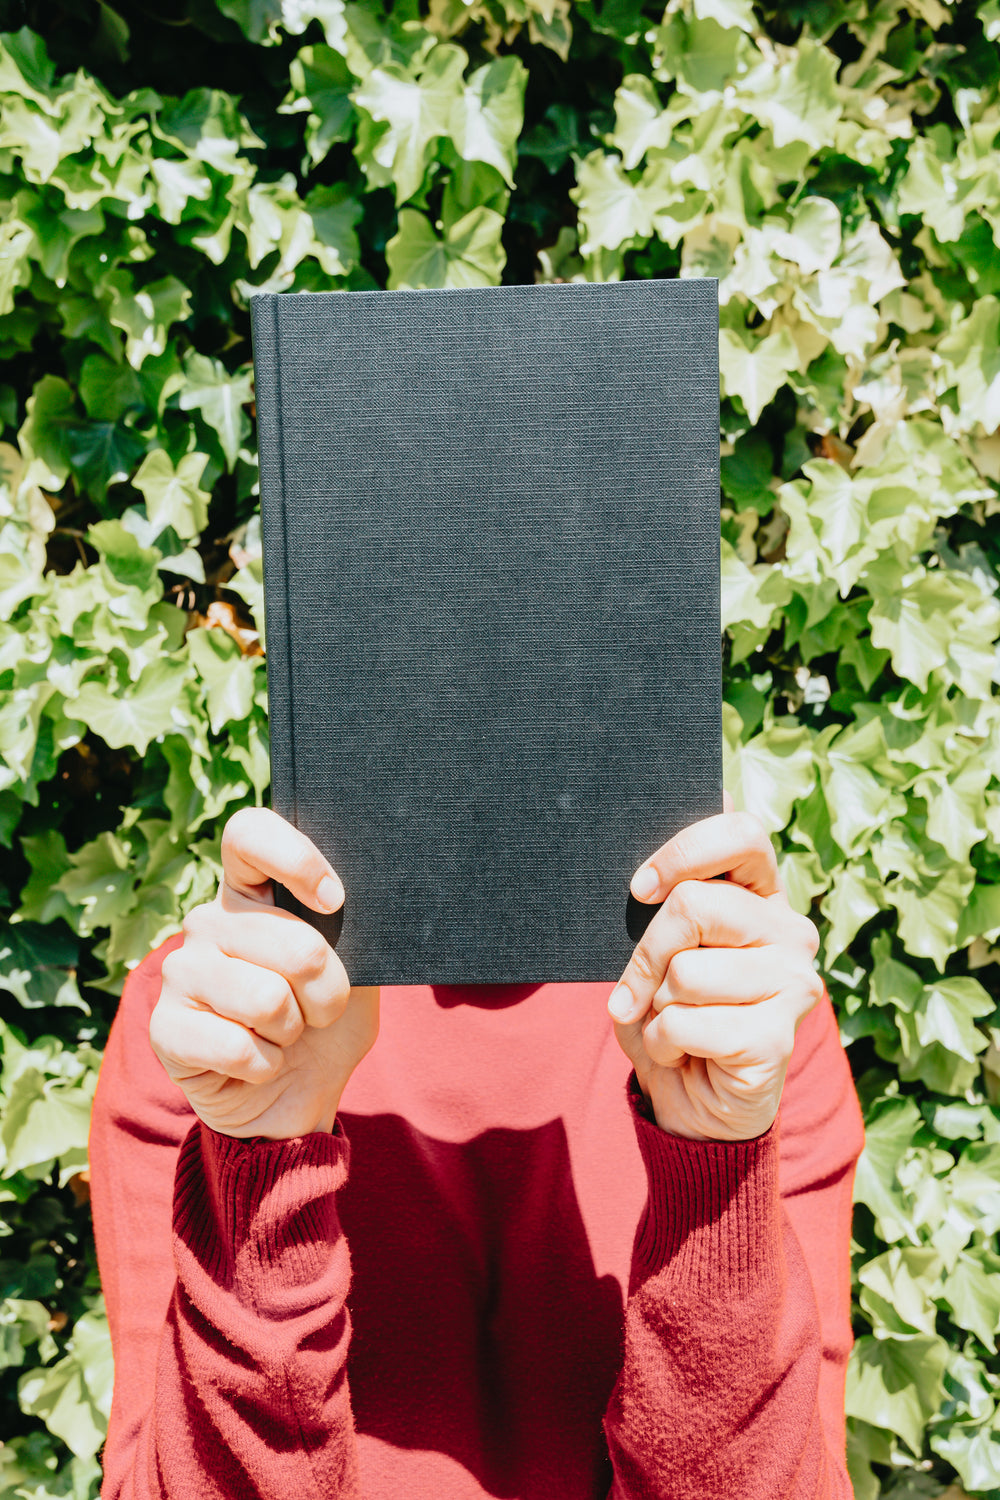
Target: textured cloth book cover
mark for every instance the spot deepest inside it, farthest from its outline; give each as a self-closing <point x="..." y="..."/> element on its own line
<point x="491" y="565"/>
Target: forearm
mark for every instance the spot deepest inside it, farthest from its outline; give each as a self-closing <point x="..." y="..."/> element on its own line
<point x="250" y="1393"/>
<point x="719" y="1392"/>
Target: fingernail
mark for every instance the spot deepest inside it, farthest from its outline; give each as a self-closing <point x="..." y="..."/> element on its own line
<point x="621" y="1003"/>
<point x="645" y="882"/>
<point x="330" y="893"/>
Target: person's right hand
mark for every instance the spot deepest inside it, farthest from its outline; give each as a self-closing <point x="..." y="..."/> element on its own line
<point x="257" y="1021"/>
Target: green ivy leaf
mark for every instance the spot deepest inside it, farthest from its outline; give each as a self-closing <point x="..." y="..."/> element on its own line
<point x="416" y="110"/>
<point x="756" y="372"/>
<point x="136" y="715"/>
<point x="228" y="675"/>
<point x="469" y="253"/>
<point x="125" y="565"/>
<point x="174" y="496"/>
<point x="45" y="1120"/>
<point x="889" y="1131"/>
<point x="102" y="454"/>
<point x="98" y="883"/>
<point x="146" y="314"/>
<point x="613" y="208"/>
<point x="912" y="623"/>
<point x="974" y="1449"/>
<point x="48" y="860"/>
<point x="487" y="117"/>
<point x="930" y="911"/>
<point x="972" y="1291"/>
<point x="260" y="19"/>
<point x="971" y="354"/>
<point x="856" y="895"/>
<point x="859" y="801"/>
<point x="897" y="1383"/>
<point x="38" y="966"/>
<point x="334" y="213"/>
<point x="220" y="397"/>
<point x="555" y="138"/>
<point x="73" y="1397"/>
<point x="947" y="1012"/>
<point x="46" y="431"/>
<point x="771" y="773"/>
<point x="800" y="101"/>
<point x="899" y="1287"/>
<point x="321" y="85"/>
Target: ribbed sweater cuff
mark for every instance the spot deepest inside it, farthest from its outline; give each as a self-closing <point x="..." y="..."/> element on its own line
<point x="713" y="1213"/>
<point x="258" y="1212"/>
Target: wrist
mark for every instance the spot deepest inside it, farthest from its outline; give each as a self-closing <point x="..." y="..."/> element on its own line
<point x="751" y="1127"/>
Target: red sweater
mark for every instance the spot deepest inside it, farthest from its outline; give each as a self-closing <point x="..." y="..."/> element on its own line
<point x="546" y="1297"/>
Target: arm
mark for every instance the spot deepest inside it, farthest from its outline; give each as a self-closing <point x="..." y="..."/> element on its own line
<point x="737" y="1326"/>
<point x="736" y="1330"/>
<point x="231" y="1354"/>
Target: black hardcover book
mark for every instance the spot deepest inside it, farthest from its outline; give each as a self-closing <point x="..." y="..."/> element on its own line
<point x="491" y="565"/>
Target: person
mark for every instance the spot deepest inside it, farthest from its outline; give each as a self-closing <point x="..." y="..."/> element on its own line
<point x="515" y="1247"/>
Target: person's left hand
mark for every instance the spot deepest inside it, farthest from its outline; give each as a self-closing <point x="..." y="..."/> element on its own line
<point x="709" y="1004"/>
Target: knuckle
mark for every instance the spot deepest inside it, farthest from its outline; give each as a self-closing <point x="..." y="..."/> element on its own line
<point x="235" y="833"/>
<point x="273" y="997"/>
<point x="301" y="866"/>
<point x="182" y="968"/>
<point x="814" y="987"/>
<point x="778" y="1039"/>
<point x="751" y="831"/>
<point x="657" y="1043"/>
<point x="687" y="900"/>
<point x="809" y="935"/>
<point x="682" y="973"/>
<point x="683" y="897"/>
<point x="785" y="1045"/>
<point x="239" y="824"/>
<point x="644" y="965"/>
<point x="333" y="1003"/>
<point x="156" y="1030"/>
<point x="248" y="1061"/>
<point x="171" y="971"/>
<point x="307" y="952"/>
<point x="340" y="988"/>
<point x="198" y="920"/>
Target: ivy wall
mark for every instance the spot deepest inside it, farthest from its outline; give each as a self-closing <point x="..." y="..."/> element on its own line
<point x="835" y="165"/>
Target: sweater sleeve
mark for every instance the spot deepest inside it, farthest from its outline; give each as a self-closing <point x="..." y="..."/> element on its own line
<point x="230" y="1356"/>
<point x="737" y="1321"/>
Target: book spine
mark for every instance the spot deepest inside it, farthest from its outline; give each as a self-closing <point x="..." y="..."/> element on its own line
<point x="265" y="321"/>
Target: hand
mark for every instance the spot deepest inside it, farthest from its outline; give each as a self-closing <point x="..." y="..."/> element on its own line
<point x="709" y="1004"/>
<point x="256" y="1020"/>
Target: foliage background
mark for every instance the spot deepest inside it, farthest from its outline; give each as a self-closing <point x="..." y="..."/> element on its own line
<point x="834" y="164"/>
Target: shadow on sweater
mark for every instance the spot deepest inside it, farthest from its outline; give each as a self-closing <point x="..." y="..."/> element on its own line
<point x="480" y="1327"/>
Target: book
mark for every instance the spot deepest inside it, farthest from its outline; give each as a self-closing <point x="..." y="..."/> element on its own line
<point x="491" y="574"/>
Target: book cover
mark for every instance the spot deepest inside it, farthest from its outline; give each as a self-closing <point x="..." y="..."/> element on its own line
<point x="491" y="553"/>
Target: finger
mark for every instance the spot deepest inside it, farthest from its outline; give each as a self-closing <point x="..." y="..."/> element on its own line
<point x="711" y="914"/>
<point x="728" y="805"/>
<point x="724" y="977"/>
<point x="203" y="978"/>
<point x="189" y="1042"/>
<point x="270" y="938"/>
<point x="733" y="844"/>
<point x="751" y="1037"/>
<point x="258" y="847"/>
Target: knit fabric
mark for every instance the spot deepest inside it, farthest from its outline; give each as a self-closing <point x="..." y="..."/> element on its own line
<point x="495" y="1278"/>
